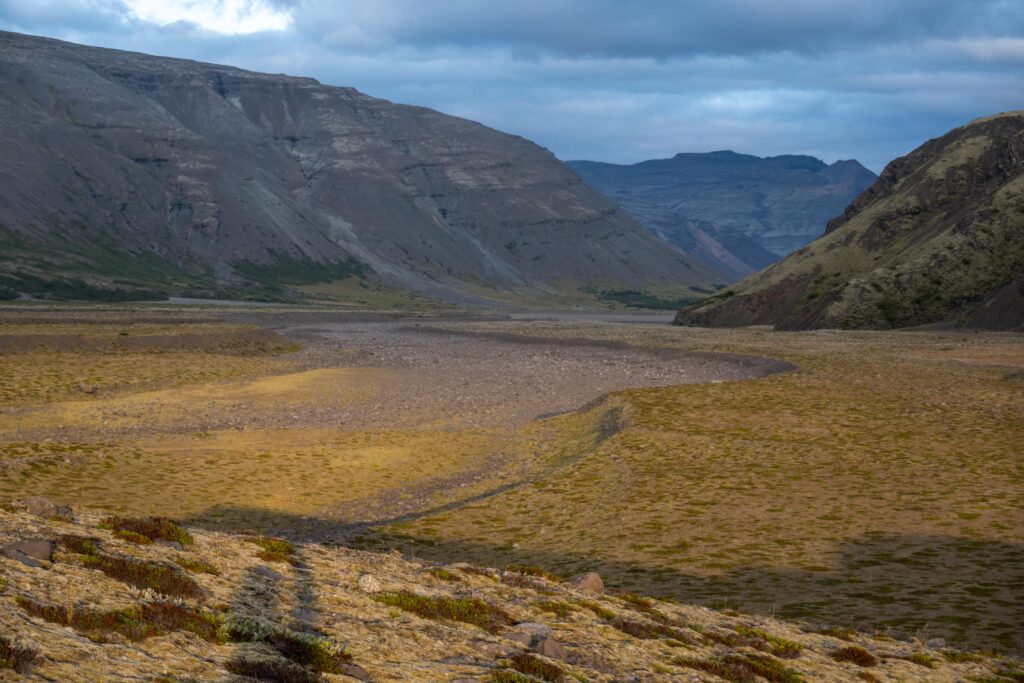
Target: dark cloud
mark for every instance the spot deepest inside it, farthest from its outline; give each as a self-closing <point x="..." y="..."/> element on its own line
<point x="623" y="81"/>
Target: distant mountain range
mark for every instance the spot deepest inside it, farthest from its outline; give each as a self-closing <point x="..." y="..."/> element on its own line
<point x="939" y="238"/>
<point x="129" y="176"/>
<point x="736" y="212"/>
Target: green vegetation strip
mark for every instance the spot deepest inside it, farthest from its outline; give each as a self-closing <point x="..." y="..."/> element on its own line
<point x="747" y="668"/>
<point x="467" y="610"/>
<point x="147" y="529"/>
<point x="161" y="577"/>
<point x="134" y="623"/>
<point x="12" y="656"/>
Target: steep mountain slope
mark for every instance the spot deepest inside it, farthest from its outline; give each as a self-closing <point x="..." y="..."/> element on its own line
<point x="735" y="211"/>
<point x="939" y="237"/>
<point x="125" y="169"/>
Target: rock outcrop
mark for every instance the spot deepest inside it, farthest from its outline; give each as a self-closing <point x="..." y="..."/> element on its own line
<point x="939" y="238"/>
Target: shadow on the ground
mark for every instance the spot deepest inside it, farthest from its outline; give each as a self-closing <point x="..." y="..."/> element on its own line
<point x="967" y="591"/>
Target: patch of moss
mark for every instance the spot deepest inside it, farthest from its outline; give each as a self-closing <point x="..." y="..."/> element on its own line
<point x="922" y="659"/>
<point x="311" y="651"/>
<point x="532" y="665"/>
<point x="151" y="528"/>
<point x="197" y="566"/>
<point x="855" y="655"/>
<point x="562" y="609"/>
<point x="746" y="668"/>
<point x="158" y="576"/>
<point x="15" y="657"/>
<point x="278" y="670"/>
<point x="836" y="632"/>
<point x="960" y="657"/>
<point x="135" y="623"/>
<point x="444" y="574"/>
<point x="648" y="630"/>
<point x="274" y="549"/>
<point x="597" y="608"/>
<point x="467" y="610"/>
<point x="780" y="647"/>
<point x="509" y="676"/>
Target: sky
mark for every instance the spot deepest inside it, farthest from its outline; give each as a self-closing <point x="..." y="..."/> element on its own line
<point x="612" y="80"/>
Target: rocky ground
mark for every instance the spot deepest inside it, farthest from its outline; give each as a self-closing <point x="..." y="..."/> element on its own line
<point x="88" y="598"/>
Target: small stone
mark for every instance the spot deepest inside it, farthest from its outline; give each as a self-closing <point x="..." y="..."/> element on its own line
<point x="355" y="671"/>
<point x="533" y="628"/>
<point x="170" y="544"/>
<point x="40" y="507"/>
<point x="591" y="581"/>
<point x="935" y="643"/>
<point x="368" y="583"/>
<point x="266" y="572"/>
<point x="39" y="548"/>
<point x="549" y="647"/>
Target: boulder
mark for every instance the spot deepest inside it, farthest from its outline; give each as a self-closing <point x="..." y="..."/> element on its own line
<point x="591" y="581"/>
<point x="33" y="552"/>
<point x="549" y="647"/>
<point x="40" y="507"/>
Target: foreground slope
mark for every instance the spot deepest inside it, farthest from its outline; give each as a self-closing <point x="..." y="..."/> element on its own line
<point x="939" y="237"/>
<point x="736" y="211"/>
<point x="145" y="173"/>
<point x="87" y="598"/>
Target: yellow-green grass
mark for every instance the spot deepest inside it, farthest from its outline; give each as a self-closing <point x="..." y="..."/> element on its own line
<point x="881" y="484"/>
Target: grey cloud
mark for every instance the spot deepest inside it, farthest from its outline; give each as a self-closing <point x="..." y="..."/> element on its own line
<point x="623" y="81"/>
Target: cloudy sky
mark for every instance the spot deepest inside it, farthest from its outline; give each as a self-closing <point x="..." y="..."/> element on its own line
<point x="612" y="80"/>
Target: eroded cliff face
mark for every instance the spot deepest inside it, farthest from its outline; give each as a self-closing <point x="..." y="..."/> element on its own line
<point x="938" y="238"/>
<point x="211" y="174"/>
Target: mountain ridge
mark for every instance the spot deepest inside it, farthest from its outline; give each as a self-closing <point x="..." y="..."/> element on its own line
<point x="938" y="238"/>
<point x="738" y="212"/>
<point x="221" y="178"/>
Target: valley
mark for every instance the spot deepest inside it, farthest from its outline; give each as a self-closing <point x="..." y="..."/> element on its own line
<point x="854" y="479"/>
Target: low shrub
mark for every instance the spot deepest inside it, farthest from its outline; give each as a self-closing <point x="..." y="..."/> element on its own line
<point x="444" y="574"/>
<point x="158" y="576"/>
<point x="197" y="566"/>
<point x="278" y="670"/>
<point x="274" y="549"/>
<point x="855" y="655"/>
<point x="467" y="610"/>
<point x="15" y="657"/>
<point x="135" y="623"/>
<point x="746" y="668"/>
<point x="150" y="528"/>
<point x="535" y="666"/>
<point x="164" y="578"/>
<point x="780" y="647"/>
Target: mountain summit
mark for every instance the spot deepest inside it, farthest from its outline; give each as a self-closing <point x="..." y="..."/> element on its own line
<point x="938" y="238"/>
<point x="737" y="212"/>
<point x="122" y="172"/>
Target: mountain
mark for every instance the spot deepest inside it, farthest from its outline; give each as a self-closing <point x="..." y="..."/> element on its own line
<point x="127" y="174"/>
<point x="938" y="238"/>
<point x="736" y="212"/>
